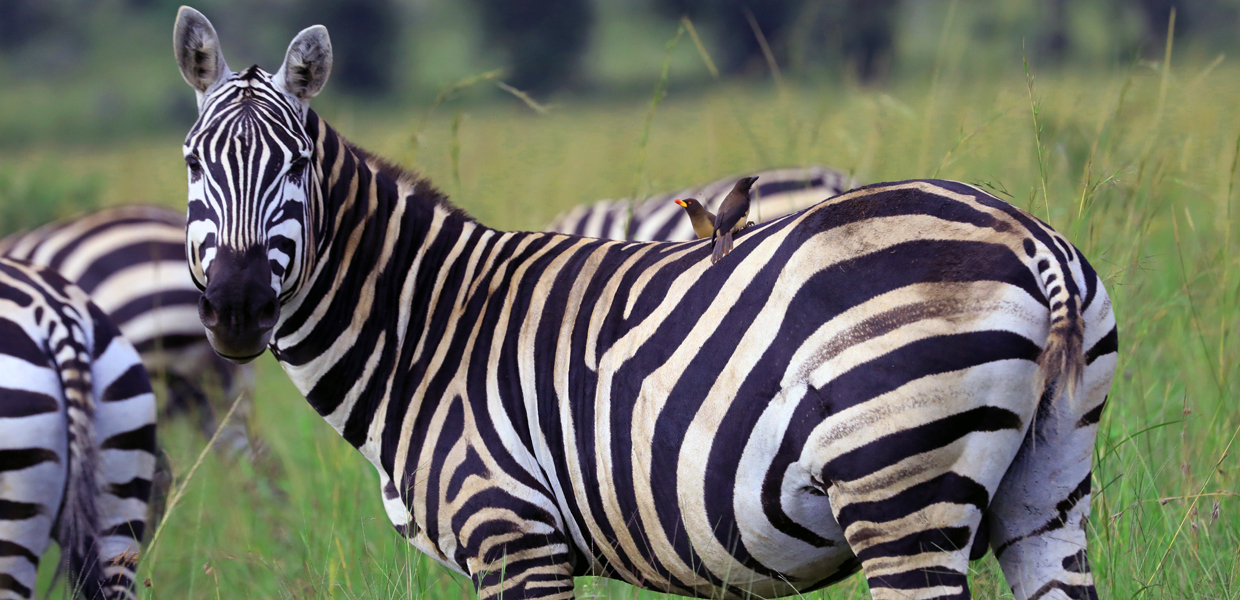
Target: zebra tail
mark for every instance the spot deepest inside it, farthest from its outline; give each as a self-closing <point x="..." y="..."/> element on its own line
<point x="1061" y="364"/>
<point x="78" y="525"/>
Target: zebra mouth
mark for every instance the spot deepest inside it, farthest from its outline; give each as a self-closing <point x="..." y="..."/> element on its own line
<point x="236" y="350"/>
<point x="241" y="360"/>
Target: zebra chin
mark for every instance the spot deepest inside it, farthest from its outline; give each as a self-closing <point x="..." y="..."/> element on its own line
<point x="239" y="349"/>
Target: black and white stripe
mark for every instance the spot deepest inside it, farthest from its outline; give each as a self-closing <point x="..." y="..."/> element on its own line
<point x="77" y="437"/>
<point x="893" y="380"/>
<point x="657" y="219"/>
<point x="131" y="260"/>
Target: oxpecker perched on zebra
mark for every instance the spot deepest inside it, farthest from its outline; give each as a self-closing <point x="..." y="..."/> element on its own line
<point x="732" y="218"/>
<point x="781" y="192"/>
<point x="855" y="388"/>
<point x="703" y="220"/>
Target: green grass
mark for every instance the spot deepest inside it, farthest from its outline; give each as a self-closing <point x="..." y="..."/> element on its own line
<point x="1138" y="168"/>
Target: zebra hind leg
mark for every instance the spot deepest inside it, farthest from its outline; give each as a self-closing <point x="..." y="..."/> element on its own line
<point x="911" y="501"/>
<point x="1040" y="512"/>
<point x="923" y="552"/>
<point x="32" y="478"/>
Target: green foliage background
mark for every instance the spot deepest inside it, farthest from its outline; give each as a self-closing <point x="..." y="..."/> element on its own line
<point x="1134" y="160"/>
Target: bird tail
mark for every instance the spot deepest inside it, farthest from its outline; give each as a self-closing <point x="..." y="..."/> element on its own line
<point x="722" y="246"/>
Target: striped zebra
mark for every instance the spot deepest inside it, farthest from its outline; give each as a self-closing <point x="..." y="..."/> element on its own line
<point x="77" y="437"/>
<point x="779" y="192"/>
<point x="895" y="380"/>
<point x="131" y="260"/>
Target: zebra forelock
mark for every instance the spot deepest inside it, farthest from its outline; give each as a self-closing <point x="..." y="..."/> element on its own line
<point x="250" y="178"/>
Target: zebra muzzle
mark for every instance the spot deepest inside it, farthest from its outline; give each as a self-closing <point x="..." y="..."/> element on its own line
<point x="239" y="307"/>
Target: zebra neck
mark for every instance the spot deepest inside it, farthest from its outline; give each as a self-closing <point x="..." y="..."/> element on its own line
<point x="396" y="267"/>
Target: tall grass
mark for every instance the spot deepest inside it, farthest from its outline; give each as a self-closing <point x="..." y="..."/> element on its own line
<point x="1139" y="168"/>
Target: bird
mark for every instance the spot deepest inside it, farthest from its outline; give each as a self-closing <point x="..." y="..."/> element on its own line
<point x="703" y="220"/>
<point x="733" y="216"/>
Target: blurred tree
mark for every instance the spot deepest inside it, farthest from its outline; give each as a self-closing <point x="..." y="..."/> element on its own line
<point x="365" y="40"/>
<point x="730" y="22"/>
<point x="1157" y="14"/>
<point x="1212" y="21"/>
<point x="22" y="21"/>
<point x="860" y="32"/>
<point x="868" y="28"/>
<point x="1053" y="41"/>
<point x="544" y="39"/>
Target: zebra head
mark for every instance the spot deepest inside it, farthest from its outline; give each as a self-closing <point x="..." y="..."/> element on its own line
<point x="252" y="182"/>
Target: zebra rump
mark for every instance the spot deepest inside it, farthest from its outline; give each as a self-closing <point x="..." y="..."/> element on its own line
<point x="657" y="219"/>
<point x="131" y="260"/>
<point x="76" y="437"/>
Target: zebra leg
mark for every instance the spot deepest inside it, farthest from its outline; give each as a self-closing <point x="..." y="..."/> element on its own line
<point x="530" y="566"/>
<point x="32" y="481"/>
<point x="911" y="501"/>
<point x="125" y="429"/>
<point x="512" y="558"/>
<point x="185" y="396"/>
<point x="922" y="549"/>
<point x="1039" y="514"/>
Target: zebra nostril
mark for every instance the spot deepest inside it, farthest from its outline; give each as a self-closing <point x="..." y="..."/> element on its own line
<point x="206" y="312"/>
<point x="267" y="315"/>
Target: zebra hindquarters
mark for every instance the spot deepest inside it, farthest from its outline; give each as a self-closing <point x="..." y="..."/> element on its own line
<point x="923" y="422"/>
<point x="1039" y="515"/>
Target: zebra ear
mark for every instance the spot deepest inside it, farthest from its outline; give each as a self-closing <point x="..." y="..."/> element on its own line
<point x="307" y="64"/>
<point x="198" y="52"/>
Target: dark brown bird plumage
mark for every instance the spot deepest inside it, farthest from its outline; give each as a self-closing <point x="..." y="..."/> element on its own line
<point x="733" y="216"/>
<point x="703" y="220"/>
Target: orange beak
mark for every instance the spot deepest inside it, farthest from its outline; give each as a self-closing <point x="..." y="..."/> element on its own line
<point x="682" y="203"/>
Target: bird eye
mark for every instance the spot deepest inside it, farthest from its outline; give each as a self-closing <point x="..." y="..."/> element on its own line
<point x="192" y="162"/>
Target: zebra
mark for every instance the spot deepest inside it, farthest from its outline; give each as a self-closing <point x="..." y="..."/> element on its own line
<point x="779" y="192"/>
<point x="77" y="437"/>
<point x="895" y="380"/>
<point x="131" y="260"/>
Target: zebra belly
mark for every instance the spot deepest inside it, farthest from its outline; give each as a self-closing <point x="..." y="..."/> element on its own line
<point x="776" y="545"/>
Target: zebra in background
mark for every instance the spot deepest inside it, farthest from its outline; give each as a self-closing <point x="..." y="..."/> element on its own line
<point x="779" y="192"/>
<point x="77" y="437"/>
<point x="854" y="386"/>
<point x="131" y="260"/>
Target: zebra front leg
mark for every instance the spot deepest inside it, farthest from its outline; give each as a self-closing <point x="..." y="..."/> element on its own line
<point x="511" y="565"/>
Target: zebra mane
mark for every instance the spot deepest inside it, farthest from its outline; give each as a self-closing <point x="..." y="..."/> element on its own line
<point x="423" y="190"/>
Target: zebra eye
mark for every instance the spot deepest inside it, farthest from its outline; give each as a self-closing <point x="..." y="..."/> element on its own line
<point x="298" y="166"/>
<point x="192" y="162"/>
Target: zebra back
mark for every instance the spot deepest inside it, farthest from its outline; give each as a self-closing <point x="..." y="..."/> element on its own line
<point x="778" y="192"/>
<point x="74" y="394"/>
